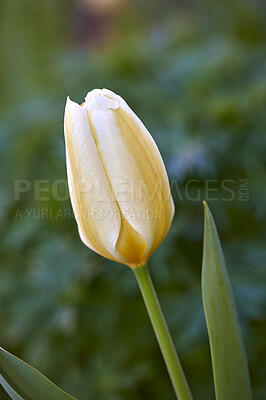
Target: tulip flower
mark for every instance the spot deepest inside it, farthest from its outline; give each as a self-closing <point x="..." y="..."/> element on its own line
<point x="121" y="197"/>
<point x="118" y="184"/>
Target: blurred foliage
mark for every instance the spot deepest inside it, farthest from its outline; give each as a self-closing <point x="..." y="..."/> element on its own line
<point x="195" y="74"/>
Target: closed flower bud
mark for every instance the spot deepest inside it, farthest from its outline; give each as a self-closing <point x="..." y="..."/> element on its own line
<point x="117" y="180"/>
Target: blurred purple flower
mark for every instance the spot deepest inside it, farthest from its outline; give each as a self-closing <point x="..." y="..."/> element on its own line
<point x="193" y="158"/>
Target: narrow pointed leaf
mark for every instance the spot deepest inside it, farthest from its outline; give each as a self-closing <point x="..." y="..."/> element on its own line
<point x="231" y="377"/>
<point x="26" y="382"/>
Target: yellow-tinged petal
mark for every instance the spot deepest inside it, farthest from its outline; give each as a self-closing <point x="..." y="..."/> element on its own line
<point x="131" y="244"/>
<point x="95" y="208"/>
<point x="135" y="168"/>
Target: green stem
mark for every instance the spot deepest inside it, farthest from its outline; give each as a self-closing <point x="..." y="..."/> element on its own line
<point x="162" y="333"/>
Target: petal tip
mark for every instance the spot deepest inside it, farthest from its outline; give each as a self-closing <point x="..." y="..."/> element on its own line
<point x="102" y="100"/>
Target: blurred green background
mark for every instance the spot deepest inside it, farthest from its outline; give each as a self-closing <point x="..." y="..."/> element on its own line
<point x="195" y="73"/>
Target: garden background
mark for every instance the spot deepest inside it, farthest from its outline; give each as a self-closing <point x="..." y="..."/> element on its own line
<point x="195" y="73"/>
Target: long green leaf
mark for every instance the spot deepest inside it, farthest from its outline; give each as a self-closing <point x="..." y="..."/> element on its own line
<point x="26" y="382"/>
<point x="9" y="390"/>
<point x="231" y="377"/>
